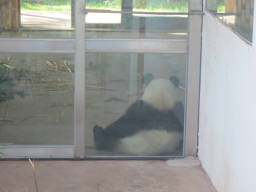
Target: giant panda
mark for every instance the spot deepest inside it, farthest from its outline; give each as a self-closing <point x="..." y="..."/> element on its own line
<point x="150" y="125"/>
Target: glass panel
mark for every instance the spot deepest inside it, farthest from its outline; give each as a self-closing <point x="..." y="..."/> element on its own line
<point x="36" y="99"/>
<point x="238" y="14"/>
<point x="137" y="19"/>
<point x="115" y="86"/>
<point x="36" y="18"/>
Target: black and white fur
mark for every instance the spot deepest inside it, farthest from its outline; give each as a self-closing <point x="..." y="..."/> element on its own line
<point x="149" y="126"/>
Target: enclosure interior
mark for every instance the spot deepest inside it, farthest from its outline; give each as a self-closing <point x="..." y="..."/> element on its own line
<point x="39" y="88"/>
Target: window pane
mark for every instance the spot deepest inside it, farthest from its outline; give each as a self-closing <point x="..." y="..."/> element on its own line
<point x="36" y="99"/>
<point x="36" y="18"/>
<point x="238" y="14"/>
<point x="114" y="25"/>
<point x="137" y="19"/>
<point x="114" y="83"/>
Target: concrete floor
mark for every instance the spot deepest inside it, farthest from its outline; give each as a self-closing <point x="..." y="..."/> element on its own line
<point x="109" y="176"/>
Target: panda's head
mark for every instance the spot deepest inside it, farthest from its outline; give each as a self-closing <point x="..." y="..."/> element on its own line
<point x="160" y="93"/>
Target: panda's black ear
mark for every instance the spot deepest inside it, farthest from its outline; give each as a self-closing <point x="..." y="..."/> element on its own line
<point x="175" y="81"/>
<point x="147" y="78"/>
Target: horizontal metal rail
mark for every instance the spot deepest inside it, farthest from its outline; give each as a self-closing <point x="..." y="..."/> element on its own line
<point x="192" y="12"/>
<point x="37" y="45"/>
<point x="94" y="45"/>
<point x="137" y="45"/>
<point x="37" y="151"/>
<point x="134" y="12"/>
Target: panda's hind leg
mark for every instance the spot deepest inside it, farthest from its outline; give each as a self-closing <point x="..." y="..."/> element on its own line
<point x="98" y="133"/>
<point x="102" y="140"/>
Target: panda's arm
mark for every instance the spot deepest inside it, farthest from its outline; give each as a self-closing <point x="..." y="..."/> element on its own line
<point x="141" y="110"/>
<point x="179" y="112"/>
<point x="176" y="118"/>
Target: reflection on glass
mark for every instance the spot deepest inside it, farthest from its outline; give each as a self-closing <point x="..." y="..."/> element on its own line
<point x="36" y="18"/>
<point x="55" y="18"/>
<point x="104" y="4"/>
<point x="134" y="104"/>
<point x="137" y="19"/>
<point x="161" y="5"/>
<point x="236" y="13"/>
<point x="36" y="99"/>
<point x="139" y="5"/>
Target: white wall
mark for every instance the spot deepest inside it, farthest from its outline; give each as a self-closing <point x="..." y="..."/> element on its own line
<point x="227" y="125"/>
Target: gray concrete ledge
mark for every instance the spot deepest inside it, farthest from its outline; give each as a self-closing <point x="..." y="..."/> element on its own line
<point x="100" y="176"/>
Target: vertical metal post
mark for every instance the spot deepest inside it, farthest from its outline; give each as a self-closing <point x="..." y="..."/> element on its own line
<point x="193" y="77"/>
<point x="79" y="78"/>
<point x="73" y="5"/>
<point x="127" y="8"/>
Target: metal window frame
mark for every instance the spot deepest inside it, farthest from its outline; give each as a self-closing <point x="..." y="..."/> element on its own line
<point x="37" y="151"/>
<point x="79" y="80"/>
<point x="193" y="77"/>
<point x="191" y="46"/>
